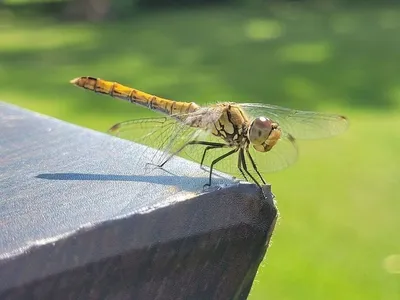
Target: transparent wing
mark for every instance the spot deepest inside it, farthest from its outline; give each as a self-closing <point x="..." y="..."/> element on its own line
<point x="164" y="134"/>
<point x="282" y="155"/>
<point x="167" y="135"/>
<point x="300" y="124"/>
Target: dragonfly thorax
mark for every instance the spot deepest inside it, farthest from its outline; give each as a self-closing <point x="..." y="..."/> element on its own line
<point x="263" y="133"/>
<point x="232" y="125"/>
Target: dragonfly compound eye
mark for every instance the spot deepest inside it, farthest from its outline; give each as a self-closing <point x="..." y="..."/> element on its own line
<point x="263" y="134"/>
<point x="259" y="131"/>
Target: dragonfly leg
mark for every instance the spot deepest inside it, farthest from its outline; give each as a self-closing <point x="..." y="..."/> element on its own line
<point x="241" y="153"/>
<point x="254" y="166"/>
<point x="215" y="146"/>
<point x="240" y="163"/>
<point x="204" y="156"/>
<point x="217" y="160"/>
<point x="209" y="144"/>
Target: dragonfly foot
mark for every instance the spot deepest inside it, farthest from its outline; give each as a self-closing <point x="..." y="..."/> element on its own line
<point x="204" y="168"/>
<point x="208" y="188"/>
<point x="154" y="165"/>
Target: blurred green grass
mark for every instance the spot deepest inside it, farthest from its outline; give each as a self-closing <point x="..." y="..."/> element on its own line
<point x="339" y="204"/>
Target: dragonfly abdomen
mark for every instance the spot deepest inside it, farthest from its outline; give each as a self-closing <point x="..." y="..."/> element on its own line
<point x="117" y="90"/>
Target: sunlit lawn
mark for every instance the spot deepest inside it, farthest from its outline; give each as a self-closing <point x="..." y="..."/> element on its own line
<point x="340" y="204"/>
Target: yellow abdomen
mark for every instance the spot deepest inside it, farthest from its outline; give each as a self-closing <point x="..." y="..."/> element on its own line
<point x="117" y="90"/>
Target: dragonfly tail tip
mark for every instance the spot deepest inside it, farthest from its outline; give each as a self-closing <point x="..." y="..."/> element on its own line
<point x="75" y="81"/>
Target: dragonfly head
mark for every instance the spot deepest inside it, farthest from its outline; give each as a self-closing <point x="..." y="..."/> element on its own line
<point x="263" y="133"/>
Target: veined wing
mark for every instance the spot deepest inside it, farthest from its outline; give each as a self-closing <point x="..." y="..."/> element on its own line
<point x="281" y="156"/>
<point x="300" y="124"/>
<point x="165" y="134"/>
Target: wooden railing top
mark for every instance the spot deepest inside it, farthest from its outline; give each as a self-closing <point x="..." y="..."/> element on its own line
<point x="77" y="214"/>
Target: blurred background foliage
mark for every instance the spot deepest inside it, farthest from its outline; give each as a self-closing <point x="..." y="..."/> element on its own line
<point x="338" y="232"/>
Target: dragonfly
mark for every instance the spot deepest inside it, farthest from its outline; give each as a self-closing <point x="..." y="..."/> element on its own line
<point x="244" y="140"/>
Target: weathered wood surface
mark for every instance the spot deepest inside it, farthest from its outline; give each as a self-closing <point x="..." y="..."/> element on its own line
<point x="78" y="221"/>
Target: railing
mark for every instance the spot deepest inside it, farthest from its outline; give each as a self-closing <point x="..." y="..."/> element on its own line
<point x="78" y="222"/>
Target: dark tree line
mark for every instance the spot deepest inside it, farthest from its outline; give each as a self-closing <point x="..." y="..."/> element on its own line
<point x="97" y="10"/>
